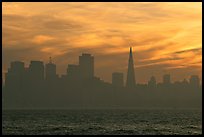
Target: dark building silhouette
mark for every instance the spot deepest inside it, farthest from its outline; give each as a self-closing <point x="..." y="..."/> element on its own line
<point x="50" y="71"/>
<point x="117" y="79"/>
<point x="15" y="73"/>
<point x="17" y="67"/>
<point x="152" y="82"/>
<point x="166" y="79"/>
<point x="130" y="74"/>
<point x="86" y="65"/>
<point x="194" y="81"/>
<point x="14" y="83"/>
<point x="36" y="71"/>
<point x="25" y="87"/>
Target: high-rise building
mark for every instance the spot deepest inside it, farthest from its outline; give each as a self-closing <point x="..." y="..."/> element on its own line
<point x="152" y="82"/>
<point x="36" y="70"/>
<point x="50" y="70"/>
<point x="17" y="67"/>
<point x="86" y="65"/>
<point x="194" y="81"/>
<point x="130" y="74"/>
<point x="15" y="73"/>
<point x="166" y="79"/>
<point x="117" y="79"/>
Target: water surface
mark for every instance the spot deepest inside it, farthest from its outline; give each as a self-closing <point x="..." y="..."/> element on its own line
<point x="96" y="122"/>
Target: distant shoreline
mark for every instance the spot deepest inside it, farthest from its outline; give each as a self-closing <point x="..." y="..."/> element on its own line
<point x="107" y="108"/>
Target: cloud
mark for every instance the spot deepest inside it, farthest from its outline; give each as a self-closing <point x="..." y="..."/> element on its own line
<point x="164" y="36"/>
<point x="39" y="39"/>
<point x="195" y="50"/>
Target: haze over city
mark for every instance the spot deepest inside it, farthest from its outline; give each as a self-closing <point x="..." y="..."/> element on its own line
<point x="102" y="68"/>
<point x="166" y="37"/>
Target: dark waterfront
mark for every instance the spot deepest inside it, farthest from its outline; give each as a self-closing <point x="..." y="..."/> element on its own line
<point x="104" y="121"/>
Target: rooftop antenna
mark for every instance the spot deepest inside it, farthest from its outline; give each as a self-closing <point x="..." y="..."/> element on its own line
<point x="50" y="61"/>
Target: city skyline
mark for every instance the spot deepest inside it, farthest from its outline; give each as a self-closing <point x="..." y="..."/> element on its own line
<point x="40" y="85"/>
<point x="85" y="70"/>
<point x="166" y="38"/>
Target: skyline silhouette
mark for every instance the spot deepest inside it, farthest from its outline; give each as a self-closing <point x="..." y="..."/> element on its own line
<point x="40" y="86"/>
<point x="85" y="69"/>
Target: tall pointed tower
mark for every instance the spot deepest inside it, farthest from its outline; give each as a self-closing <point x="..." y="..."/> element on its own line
<point x="130" y="74"/>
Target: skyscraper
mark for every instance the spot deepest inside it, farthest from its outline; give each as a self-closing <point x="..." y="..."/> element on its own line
<point x="86" y="65"/>
<point x="194" y="81"/>
<point x="50" y="70"/>
<point x="36" y="71"/>
<point x="15" y="73"/>
<point x="17" y="67"/>
<point x="130" y="74"/>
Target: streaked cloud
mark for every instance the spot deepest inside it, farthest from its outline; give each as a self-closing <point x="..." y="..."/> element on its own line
<point x="40" y="39"/>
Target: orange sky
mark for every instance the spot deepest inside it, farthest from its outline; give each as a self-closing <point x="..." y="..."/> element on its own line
<point x="166" y="37"/>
